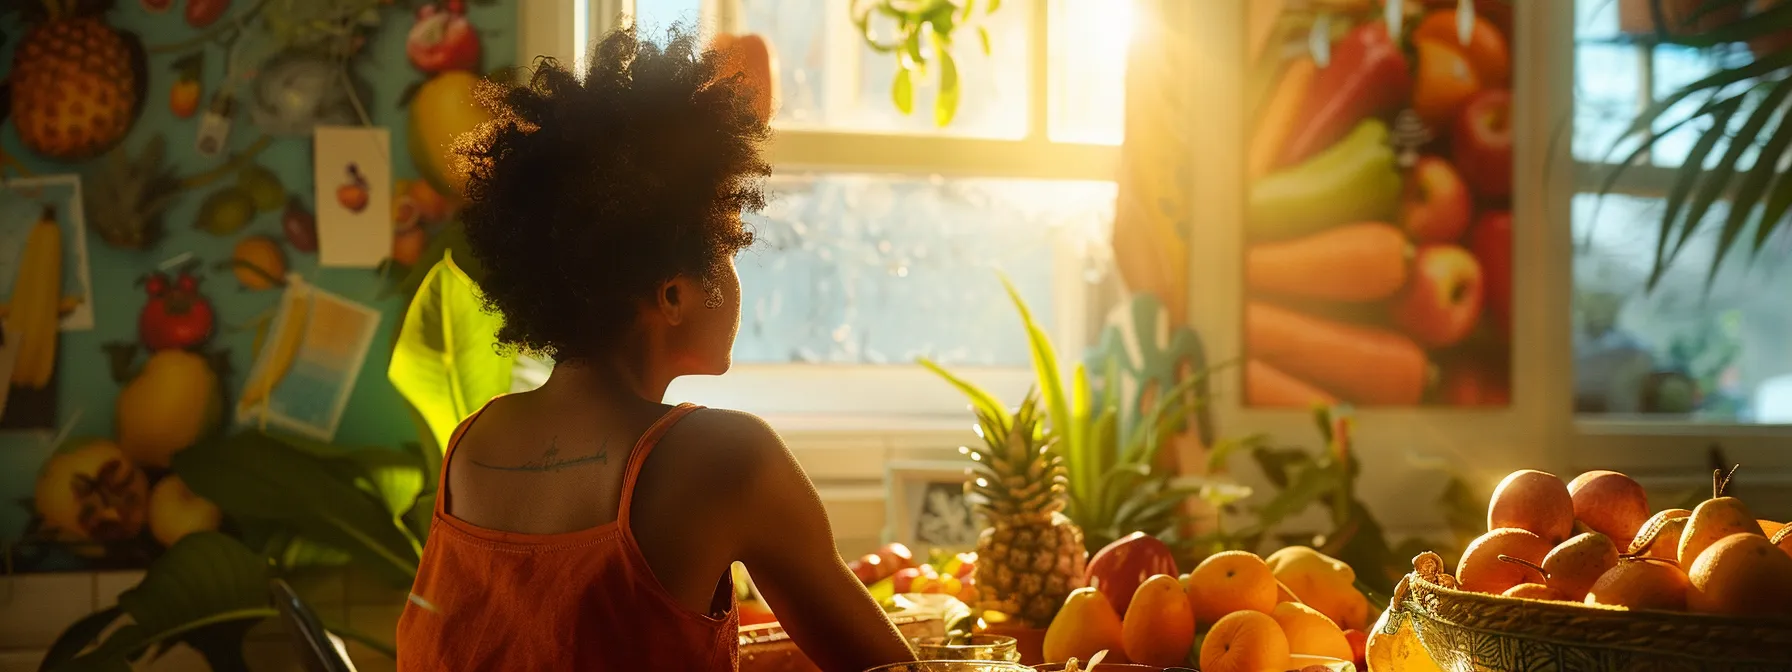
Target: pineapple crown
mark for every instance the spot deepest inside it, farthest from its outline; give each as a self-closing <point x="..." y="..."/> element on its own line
<point x="36" y="11"/>
<point x="1016" y="473"/>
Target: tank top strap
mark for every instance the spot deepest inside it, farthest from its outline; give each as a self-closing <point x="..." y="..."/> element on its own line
<point x="637" y="457"/>
<point x="448" y="455"/>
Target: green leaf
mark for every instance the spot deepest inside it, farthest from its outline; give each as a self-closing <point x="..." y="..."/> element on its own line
<point x="1776" y="17"/>
<point x="1777" y="205"/>
<point x="445" y="363"/>
<point x="981" y="400"/>
<point x="1305" y="487"/>
<point x="1721" y="78"/>
<point x="78" y="635"/>
<point x="1277" y="462"/>
<point x="252" y="475"/>
<point x="1717" y="180"/>
<point x="1045" y="367"/>
<point x="393" y="476"/>
<point x="993" y="6"/>
<point x="204" y="579"/>
<point x="902" y="91"/>
<point x="945" y="105"/>
<point x="1753" y="187"/>
<point x="983" y="39"/>
<point x="1688" y="176"/>
<point x="1224" y="448"/>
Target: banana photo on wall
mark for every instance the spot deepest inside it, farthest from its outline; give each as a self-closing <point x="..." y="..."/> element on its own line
<point x="307" y="362"/>
<point x="45" y="289"/>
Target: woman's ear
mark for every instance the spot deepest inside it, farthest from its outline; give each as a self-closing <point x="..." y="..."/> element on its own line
<point x="672" y="301"/>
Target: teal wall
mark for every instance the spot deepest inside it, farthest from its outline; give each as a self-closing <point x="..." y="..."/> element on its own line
<point x="376" y="415"/>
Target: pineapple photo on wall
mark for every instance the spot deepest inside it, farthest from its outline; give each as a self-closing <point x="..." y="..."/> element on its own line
<point x="77" y="82"/>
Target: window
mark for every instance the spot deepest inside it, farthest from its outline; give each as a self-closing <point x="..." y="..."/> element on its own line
<point x="885" y="231"/>
<point x="1685" y="353"/>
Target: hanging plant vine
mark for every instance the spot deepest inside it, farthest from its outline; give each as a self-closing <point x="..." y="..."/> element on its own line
<point x="924" y="31"/>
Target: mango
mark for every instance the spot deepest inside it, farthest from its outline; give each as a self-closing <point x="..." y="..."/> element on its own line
<point x="1085" y="625"/>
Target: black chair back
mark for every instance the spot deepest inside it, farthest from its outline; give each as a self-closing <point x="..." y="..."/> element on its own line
<point x="316" y="652"/>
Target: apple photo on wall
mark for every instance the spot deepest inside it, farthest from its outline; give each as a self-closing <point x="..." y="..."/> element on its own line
<point x="1378" y="227"/>
<point x="353" y="172"/>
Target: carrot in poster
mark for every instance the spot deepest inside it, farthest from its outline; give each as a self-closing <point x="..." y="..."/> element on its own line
<point x="1363" y="365"/>
<point x="1366" y="261"/>
<point x="1270" y="387"/>
<point x="1277" y="120"/>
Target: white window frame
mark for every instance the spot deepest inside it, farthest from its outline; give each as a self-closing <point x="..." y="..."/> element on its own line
<point x="905" y="403"/>
<point x="1642" y="443"/>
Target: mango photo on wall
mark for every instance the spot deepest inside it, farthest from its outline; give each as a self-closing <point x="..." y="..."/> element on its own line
<point x="1377" y="265"/>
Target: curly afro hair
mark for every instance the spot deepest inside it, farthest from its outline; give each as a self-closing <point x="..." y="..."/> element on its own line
<point x="583" y="197"/>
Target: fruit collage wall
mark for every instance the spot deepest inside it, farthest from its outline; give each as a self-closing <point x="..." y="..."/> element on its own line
<point x="159" y="210"/>
<point x="1379" y="235"/>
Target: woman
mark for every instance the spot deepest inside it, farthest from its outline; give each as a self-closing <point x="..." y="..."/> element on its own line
<point x="586" y="525"/>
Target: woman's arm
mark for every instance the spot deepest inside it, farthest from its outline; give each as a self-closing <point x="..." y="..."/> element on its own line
<point x="788" y="547"/>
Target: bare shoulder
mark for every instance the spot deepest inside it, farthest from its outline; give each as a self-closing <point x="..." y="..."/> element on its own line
<point x="727" y="448"/>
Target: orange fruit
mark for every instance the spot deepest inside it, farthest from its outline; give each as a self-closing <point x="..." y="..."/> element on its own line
<point x="1444" y="81"/>
<point x="1482" y="571"/>
<point x="1228" y="582"/>
<point x="1769" y="527"/>
<point x="1159" y="628"/>
<point x="1245" y="641"/>
<point x="1283" y="594"/>
<point x="1536" y="591"/>
<point x="1642" y="583"/>
<point x="258" y="263"/>
<point x="1486" y="49"/>
<point x="1310" y="632"/>
<point x="1741" y="575"/>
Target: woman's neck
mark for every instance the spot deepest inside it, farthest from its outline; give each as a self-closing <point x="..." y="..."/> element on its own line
<point x="618" y="376"/>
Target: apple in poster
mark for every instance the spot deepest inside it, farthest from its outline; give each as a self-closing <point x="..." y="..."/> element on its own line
<point x="1491" y="241"/>
<point x="1482" y="144"/>
<point x="1437" y="205"/>
<point x="1439" y="306"/>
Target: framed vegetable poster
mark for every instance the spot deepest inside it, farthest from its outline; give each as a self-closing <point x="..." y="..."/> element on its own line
<point x="1378" y="235"/>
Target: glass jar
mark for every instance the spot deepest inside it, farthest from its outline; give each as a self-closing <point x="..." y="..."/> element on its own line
<point x="969" y="647"/>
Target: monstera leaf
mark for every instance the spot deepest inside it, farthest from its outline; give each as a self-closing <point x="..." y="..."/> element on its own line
<point x="446" y="364"/>
<point x="258" y="477"/>
<point x="205" y="580"/>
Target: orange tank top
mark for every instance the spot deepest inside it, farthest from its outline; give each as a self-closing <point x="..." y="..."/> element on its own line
<point x="487" y="599"/>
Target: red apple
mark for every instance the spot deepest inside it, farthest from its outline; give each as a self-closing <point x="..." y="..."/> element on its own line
<point x="896" y="556"/>
<point x="869" y="568"/>
<point x="1436" y="205"/>
<point x="1468" y="383"/>
<point x="1482" y="144"/>
<point x="1359" y="647"/>
<point x="1491" y="241"/>
<point x="1118" y="568"/>
<point x="1441" y="301"/>
<point x="904" y="579"/>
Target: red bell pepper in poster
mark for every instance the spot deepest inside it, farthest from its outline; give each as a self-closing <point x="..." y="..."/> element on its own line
<point x="1367" y="76"/>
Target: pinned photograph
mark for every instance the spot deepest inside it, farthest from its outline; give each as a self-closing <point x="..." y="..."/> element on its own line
<point x="45" y="289"/>
<point x="307" y="363"/>
<point x="928" y="506"/>
<point x="353" y="174"/>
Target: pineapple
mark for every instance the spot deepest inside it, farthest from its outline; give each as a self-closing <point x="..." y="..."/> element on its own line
<point x="1032" y="555"/>
<point x="76" y="82"/>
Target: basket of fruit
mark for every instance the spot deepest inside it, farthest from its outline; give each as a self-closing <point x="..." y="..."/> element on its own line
<point x="1708" y="589"/>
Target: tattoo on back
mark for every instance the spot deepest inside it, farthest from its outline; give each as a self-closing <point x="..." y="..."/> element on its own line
<point x="552" y="461"/>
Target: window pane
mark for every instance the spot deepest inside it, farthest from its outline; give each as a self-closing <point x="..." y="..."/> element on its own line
<point x="1717" y="356"/>
<point x="654" y="16"/>
<point x="830" y="79"/>
<point x="872" y="269"/>
<point x="1607" y="96"/>
<point x="1676" y="67"/>
<point x="1088" y="70"/>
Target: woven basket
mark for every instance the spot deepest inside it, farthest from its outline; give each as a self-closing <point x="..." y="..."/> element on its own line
<point x="1466" y="631"/>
